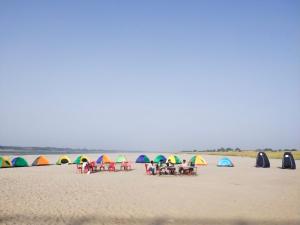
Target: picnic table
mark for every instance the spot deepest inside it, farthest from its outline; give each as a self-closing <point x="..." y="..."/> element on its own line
<point x="171" y="169"/>
<point x="189" y="170"/>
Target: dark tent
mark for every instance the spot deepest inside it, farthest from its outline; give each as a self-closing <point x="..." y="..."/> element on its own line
<point x="288" y="161"/>
<point x="142" y="159"/>
<point x="262" y="160"/>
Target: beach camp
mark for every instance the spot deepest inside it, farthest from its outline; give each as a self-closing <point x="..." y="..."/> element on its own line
<point x="174" y="159"/>
<point x="40" y="161"/>
<point x="142" y="159"/>
<point x="160" y="158"/>
<point x="103" y="159"/>
<point x="198" y="160"/>
<point x="262" y="160"/>
<point x="120" y="159"/>
<point x="225" y="162"/>
<point x="19" y="162"/>
<point x="81" y="159"/>
<point x="5" y="162"/>
<point x="63" y="160"/>
<point x="288" y="161"/>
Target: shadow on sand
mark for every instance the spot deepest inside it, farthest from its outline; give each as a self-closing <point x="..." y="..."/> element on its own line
<point x="97" y="219"/>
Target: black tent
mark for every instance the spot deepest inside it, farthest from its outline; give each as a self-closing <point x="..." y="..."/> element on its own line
<point x="262" y="160"/>
<point x="288" y="161"/>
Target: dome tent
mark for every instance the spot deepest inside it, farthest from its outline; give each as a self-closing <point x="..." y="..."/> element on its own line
<point x="103" y="159"/>
<point x="225" y="162"/>
<point x="174" y="159"/>
<point x="142" y="159"/>
<point x="198" y="160"/>
<point x="5" y="162"/>
<point x="262" y="160"/>
<point x="121" y="158"/>
<point x="63" y="160"/>
<point x="160" y="158"/>
<point x="40" y="161"/>
<point x="288" y="161"/>
<point x="80" y="159"/>
<point x="19" y="162"/>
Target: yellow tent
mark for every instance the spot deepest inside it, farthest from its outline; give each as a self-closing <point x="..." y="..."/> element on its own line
<point x="198" y="160"/>
<point x="104" y="159"/>
<point x="63" y="160"/>
<point x="5" y="162"/>
<point x="174" y="159"/>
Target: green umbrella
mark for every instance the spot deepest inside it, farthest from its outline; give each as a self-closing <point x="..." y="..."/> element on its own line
<point x="121" y="158"/>
<point x="160" y="158"/>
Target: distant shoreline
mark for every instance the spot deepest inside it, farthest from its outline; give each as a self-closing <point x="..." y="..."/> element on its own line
<point x="253" y="154"/>
<point x="16" y="150"/>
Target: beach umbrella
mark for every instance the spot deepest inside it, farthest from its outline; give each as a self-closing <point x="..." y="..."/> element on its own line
<point x="63" y="160"/>
<point x="5" y="162"/>
<point x="19" y="162"/>
<point x="142" y="159"/>
<point x="40" y="161"/>
<point x="198" y="160"/>
<point x="103" y="159"/>
<point x="160" y="158"/>
<point x="121" y="158"/>
<point x="174" y="159"/>
<point x="225" y="162"/>
<point x="81" y="159"/>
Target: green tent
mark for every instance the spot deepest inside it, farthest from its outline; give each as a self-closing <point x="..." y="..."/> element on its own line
<point x="80" y="159"/>
<point x="121" y="158"/>
<point x="174" y="159"/>
<point x="4" y="162"/>
<point x="160" y="158"/>
<point x="19" y="162"/>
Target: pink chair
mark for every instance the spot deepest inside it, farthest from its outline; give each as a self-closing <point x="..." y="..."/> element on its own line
<point x="148" y="172"/>
<point x="79" y="168"/>
<point x="112" y="167"/>
<point x="101" y="166"/>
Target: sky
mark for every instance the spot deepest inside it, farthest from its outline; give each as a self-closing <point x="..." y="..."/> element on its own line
<point x="150" y="75"/>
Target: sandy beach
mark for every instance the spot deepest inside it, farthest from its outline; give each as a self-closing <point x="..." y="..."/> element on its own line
<point x="237" y="196"/>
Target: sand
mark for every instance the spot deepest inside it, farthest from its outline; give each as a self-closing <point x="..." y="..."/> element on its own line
<point x="241" y="195"/>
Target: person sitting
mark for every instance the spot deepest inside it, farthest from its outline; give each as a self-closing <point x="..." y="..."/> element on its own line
<point x="162" y="168"/>
<point x="169" y="163"/>
<point x="184" y="167"/>
<point x="152" y="168"/>
<point x="171" y="167"/>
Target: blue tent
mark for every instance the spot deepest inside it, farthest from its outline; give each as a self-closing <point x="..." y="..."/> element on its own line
<point x="99" y="160"/>
<point x="142" y="159"/>
<point x="225" y="162"/>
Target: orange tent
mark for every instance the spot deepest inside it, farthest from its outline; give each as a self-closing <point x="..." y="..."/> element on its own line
<point x="40" y="161"/>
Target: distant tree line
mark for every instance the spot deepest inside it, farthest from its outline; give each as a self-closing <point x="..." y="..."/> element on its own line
<point x="222" y="149"/>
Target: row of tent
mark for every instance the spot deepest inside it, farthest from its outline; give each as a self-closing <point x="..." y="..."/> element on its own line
<point x="42" y="160"/>
<point x="21" y="162"/>
<point x="262" y="160"/>
<point x="288" y="161"/>
<point x="196" y="160"/>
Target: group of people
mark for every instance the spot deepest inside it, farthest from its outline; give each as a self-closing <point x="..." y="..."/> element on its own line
<point x="170" y="168"/>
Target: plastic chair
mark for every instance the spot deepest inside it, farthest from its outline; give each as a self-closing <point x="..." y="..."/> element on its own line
<point x="148" y="172"/>
<point x="85" y="167"/>
<point x="92" y="166"/>
<point x="129" y="165"/>
<point x="101" y="166"/>
<point x="79" y="168"/>
<point x="112" y="167"/>
<point x="126" y="166"/>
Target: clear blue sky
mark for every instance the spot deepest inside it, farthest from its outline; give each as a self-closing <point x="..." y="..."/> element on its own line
<point x="150" y="75"/>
